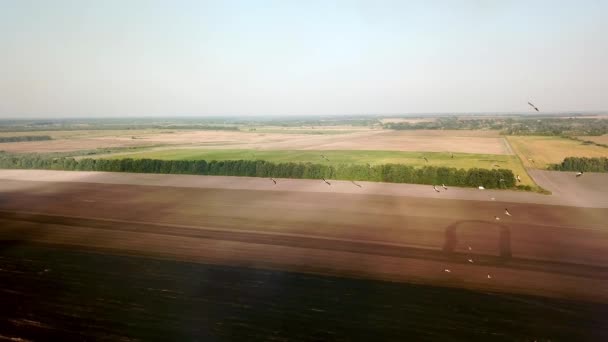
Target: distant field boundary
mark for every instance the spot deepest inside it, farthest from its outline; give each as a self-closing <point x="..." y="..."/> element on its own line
<point x="21" y="138"/>
<point x="583" y="164"/>
<point x="390" y="173"/>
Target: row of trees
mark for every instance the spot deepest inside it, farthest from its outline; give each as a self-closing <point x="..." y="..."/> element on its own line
<point x="513" y="126"/>
<point x="582" y="164"/>
<point x="394" y="173"/>
<point x="24" y="138"/>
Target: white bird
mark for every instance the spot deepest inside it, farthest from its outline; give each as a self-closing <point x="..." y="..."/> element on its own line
<point x="507" y="212"/>
<point x="497" y="218"/>
<point x="489" y="276"/>
<point x="471" y="261"/>
<point x="425" y="159"/>
<point x="444" y="187"/>
<point x="359" y="185"/>
<point x="274" y="181"/>
<point x="481" y="188"/>
<point x="493" y="199"/>
<point x="518" y="179"/>
<point x="470" y="248"/>
<point x="447" y="271"/>
<point x="435" y="188"/>
<point x="324" y="157"/>
<point x="326" y="182"/>
<point x="578" y="174"/>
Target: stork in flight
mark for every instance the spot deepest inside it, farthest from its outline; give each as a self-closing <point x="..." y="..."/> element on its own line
<point x="326" y="182"/>
<point x="435" y="188"/>
<point x="426" y="160"/>
<point x="481" y="188"/>
<point x="359" y="185"/>
<point x="507" y="212"/>
<point x="497" y="218"/>
<point x="518" y="178"/>
<point x="580" y="173"/>
<point x="533" y="106"/>
<point x="447" y="270"/>
<point x="444" y="187"/>
<point x="274" y="181"/>
<point x="324" y="157"/>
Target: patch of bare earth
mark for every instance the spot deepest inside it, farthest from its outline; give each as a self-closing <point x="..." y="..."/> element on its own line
<point x="540" y="249"/>
<point x="486" y="142"/>
<point x="429" y="140"/>
<point x="408" y="120"/>
<point x="69" y="145"/>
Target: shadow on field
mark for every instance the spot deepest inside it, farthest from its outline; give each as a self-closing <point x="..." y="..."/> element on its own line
<point x="504" y="236"/>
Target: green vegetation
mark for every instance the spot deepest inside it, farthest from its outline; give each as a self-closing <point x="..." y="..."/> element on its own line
<point x="460" y="160"/>
<point x="532" y="125"/>
<point x="586" y="142"/>
<point x="415" y="159"/>
<point x="394" y="173"/>
<point x="582" y="164"/>
<point x="24" y="138"/>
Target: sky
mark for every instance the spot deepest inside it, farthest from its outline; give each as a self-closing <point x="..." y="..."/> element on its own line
<point x="162" y="58"/>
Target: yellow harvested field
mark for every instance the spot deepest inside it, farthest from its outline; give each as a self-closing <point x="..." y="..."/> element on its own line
<point x="540" y="151"/>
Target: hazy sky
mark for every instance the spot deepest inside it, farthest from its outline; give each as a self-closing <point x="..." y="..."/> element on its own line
<point x="127" y="58"/>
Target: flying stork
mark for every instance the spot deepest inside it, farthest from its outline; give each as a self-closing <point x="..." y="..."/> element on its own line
<point x="533" y="106"/>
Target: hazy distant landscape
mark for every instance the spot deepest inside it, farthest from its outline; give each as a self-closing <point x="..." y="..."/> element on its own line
<point x="510" y="142"/>
<point x="303" y="171"/>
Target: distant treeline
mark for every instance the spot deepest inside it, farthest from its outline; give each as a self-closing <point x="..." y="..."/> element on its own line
<point x="102" y="127"/>
<point x="585" y="142"/>
<point x="582" y="164"/>
<point x="24" y="138"/>
<point x="513" y="126"/>
<point x="393" y="173"/>
<point x="200" y="127"/>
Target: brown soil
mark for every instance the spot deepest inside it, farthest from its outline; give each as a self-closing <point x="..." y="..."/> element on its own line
<point x="543" y="250"/>
<point x="432" y="141"/>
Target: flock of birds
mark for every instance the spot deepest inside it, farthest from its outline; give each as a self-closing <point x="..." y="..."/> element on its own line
<point x="445" y="188"/>
<point x="481" y="187"/>
<point x="470" y="259"/>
